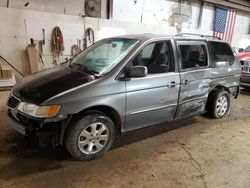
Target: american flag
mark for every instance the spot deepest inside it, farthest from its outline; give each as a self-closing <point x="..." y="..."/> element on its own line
<point x="224" y="22"/>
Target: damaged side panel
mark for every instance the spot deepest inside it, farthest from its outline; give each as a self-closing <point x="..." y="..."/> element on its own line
<point x="194" y="92"/>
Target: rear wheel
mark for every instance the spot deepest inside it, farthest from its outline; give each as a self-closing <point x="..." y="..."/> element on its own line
<point x="90" y="136"/>
<point x="220" y="104"/>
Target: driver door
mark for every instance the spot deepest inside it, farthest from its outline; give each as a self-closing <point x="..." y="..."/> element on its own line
<point x="152" y="99"/>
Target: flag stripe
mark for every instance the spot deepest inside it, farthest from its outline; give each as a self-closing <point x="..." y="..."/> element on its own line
<point x="231" y="27"/>
<point x="232" y="32"/>
<point x="224" y="22"/>
<point x="230" y="24"/>
<point x="227" y="29"/>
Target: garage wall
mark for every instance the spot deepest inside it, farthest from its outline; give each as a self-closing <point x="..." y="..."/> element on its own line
<point x="183" y="17"/>
<point x="72" y="7"/>
<point x="19" y="25"/>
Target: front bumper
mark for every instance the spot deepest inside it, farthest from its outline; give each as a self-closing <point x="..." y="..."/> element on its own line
<point x="243" y="84"/>
<point x="44" y="131"/>
<point x="19" y="127"/>
<point x="245" y="79"/>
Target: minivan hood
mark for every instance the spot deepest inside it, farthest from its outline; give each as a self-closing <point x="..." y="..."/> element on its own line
<point x="43" y="85"/>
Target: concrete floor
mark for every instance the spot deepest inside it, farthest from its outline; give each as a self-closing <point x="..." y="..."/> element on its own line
<point x="197" y="152"/>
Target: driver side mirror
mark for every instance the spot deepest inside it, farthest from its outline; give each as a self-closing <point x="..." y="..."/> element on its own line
<point x="138" y="71"/>
<point x="240" y="50"/>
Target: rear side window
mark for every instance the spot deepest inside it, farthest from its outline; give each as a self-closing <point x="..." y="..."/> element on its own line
<point x="193" y="55"/>
<point x="220" y="51"/>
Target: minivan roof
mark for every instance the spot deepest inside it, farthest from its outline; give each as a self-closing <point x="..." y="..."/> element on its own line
<point x="148" y="36"/>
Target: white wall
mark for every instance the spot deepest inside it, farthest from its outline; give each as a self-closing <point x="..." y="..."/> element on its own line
<point x="18" y="26"/>
<point x="69" y="7"/>
<point x="158" y="12"/>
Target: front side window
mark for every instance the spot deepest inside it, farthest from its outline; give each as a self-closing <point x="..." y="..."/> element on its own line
<point x="157" y="57"/>
<point x="103" y="56"/>
<point x="221" y="52"/>
<point x="193" y="55"/>
<point x="148" y="51"/>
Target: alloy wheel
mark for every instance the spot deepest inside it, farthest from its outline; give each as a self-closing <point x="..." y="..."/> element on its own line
<point x="221" y="106"/>
<point x="93" y="138"/>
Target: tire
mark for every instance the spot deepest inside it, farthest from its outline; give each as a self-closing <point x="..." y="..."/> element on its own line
<point x="90" y="136"/>
<point x="220" y="104"/>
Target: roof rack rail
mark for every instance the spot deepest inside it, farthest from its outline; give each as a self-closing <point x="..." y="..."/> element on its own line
<point x="193" y="34"/>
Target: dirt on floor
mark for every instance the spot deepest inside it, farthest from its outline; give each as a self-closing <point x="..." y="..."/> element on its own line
<point x="197" y="152"/>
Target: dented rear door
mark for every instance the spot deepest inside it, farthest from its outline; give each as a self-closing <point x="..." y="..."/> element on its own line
<point x="195" y="74"/>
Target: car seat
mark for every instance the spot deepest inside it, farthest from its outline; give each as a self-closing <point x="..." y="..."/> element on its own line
<point x="159" y="65"/>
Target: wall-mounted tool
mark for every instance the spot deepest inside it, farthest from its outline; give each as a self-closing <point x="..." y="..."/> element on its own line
<point x="43" y="36"/>
<point x="33" y="56"/>
<point x="35" y="53"/>
<point x="89" y="37"/>
<point x="76" y="48"/>
<point x="41" y="43"/>
<point x="57" y="43"/>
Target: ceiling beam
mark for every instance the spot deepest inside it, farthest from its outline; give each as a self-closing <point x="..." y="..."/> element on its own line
<point x="231" y="4"/>
<point x="240" y="2"/>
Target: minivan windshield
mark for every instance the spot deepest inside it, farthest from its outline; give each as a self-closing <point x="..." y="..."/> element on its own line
<point x="103" y="56"/>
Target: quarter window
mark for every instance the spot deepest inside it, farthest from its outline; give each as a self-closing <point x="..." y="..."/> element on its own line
<point x="193" y="55"/>
<point x="220" y="51"/>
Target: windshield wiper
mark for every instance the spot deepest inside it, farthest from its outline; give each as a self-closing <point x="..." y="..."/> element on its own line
<point x="86" y="69"/>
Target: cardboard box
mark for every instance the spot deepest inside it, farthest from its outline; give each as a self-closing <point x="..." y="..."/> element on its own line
<point x="6" y="71"/>
<point x="5" y="83"/>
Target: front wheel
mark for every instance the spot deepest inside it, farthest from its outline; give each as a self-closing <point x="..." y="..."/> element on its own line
<point x="90" y="136"/>
<point x="220" y="104"/>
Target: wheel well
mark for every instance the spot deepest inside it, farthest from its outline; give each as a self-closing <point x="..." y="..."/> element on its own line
<point x="210" y="95"/>
<point x="108" y="111"/>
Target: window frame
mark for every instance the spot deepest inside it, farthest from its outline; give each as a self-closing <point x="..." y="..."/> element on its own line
<point x="196" y="42"/>
<point x="171" y="47"/>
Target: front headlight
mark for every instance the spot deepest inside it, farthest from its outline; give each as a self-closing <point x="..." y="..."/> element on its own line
<point x="38" y="111"/>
